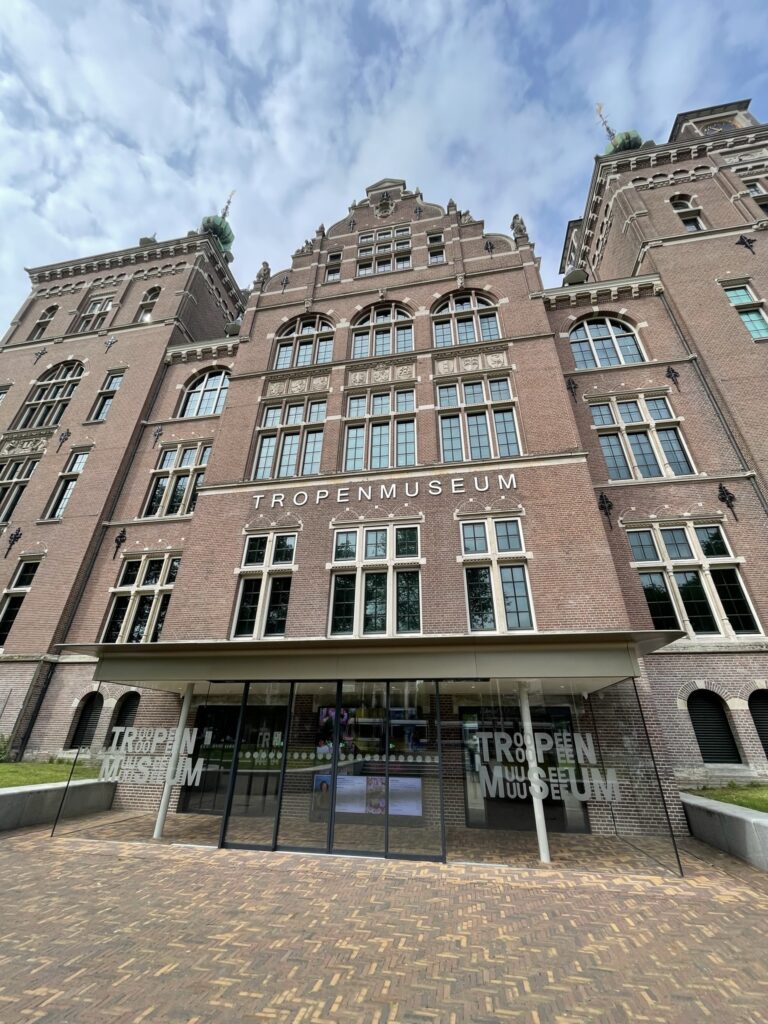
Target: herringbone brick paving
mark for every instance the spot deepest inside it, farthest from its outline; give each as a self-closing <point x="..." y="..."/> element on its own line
<point x="119" y="933"/>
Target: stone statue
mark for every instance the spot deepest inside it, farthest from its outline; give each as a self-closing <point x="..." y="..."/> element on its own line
<point x="467" y="218"/>
<point x="263" y="276"/>
<point x="518" y="226"/>
<point x="451" y="208"/>
<point x="320" y="231"/>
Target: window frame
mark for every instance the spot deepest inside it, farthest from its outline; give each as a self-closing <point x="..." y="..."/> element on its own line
<point x="752" y="307"/>
<point x="668" y="565"/>
<point x="193" y="472"/>
<point x="134" y="592"/>
<point x="12" y="487"/>
<point x="266" y="571"/>
<point x="198" y="387"/>
<point x="488" y="406"/>
<point x="448" y="313"/>
<point x="106" y="396"/>
<point x="93" y="314"/>
<point x="49" y="397"/>
<point x="647" y="425"/>
<point x="287" y="425"/>
<point x="65" y="485"/>
<point x="495" y="559"/>
<point x="14" y="595"/>
<point x="370" y="322"/>
<point x="611" y="321"/>
<point x="294" y="336"/>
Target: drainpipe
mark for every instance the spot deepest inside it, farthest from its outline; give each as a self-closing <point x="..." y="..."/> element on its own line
<point x="174" y="762"/>
<point x="530" y="753"/>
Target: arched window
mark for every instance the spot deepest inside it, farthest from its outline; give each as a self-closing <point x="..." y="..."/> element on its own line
<point x="604" y="341"/>
<point x="758" y="707"/>
<point x="304" y="341"/>
<point x="687" y="212"/>
<point x="124" y="716"/>
<point x="49" y="398"/>
<point x="463" y="319"/>
<point x="85" y="721"/>
<point x="43" y="323"/>
<point x="713" y="731"/>
<point x="206" y="395"/>
<point x="382" y="330"/>
<point x="147" y="304"/>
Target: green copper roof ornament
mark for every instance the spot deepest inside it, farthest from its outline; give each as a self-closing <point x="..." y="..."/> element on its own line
<point x="618" y="142"/>
<point x="218" y="226"/>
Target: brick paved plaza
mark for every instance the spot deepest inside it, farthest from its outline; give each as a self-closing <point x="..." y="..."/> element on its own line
<point x="120" y="933"/>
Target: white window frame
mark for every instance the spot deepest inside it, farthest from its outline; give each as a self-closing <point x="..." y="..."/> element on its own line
<point x="194" y="471"/>
<point x="107" y="391"/>
<point x="65" y="485"/>
<point x="585" y="324"/>
<point x="446" y="310"/>
<point x="291" y="336"/>
<point x="267" y="571"/>
<point x="752" y="305"/>
<point x="488" y="406"/>
<point x="135" y="591"/>
<point x="702" y="564"/>
<point x="648" y="425"/>
<point x="494" y="560"/>
<point x="391" y="564"/>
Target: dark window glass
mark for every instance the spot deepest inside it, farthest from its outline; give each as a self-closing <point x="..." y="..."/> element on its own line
<point x="508" y="536"/>
<point x="506" y="433"/>
<point x="673" y="449"/>
<point x="660" y="604"/>
<point x="153" y="571"/>
<point x="285" y="545"/>
<point x="26" y="574"/>
<point x="676" y="543"/>
<point x="375" y="543"/>
<point x="156" y="496"/>
<point x="277" y="611"/>
<point x="255" y="550"/>
<point x="480" y="599"/>
<point x="475" y="539"/>
<point x="735" y="605"/>
<point x="88" y="719"/>
<point x="375" y="608"/>
<point x="343" y="613"/>
<point x="516" y="604"/>
<point x="177" y="495"/>
<point x="712" y="729"/>
<point x="479" y="441"/>
<point x="644" y="456"/>
<point x="119" y="608"/>
<point x="408" y="603"/>
<point x="197" y="482"/>
<point x="406" y="542"/>
<point x="643" y="547"/>
<point x="249" y="602"/>
<point x="615" y="459"/>
<point x="346" y="545"/>
<point x="695" y="600"/>
<point x="173" y="570"/>
<point x="165" y="600"/>
<point x="11" y="610"/>
<point x="140" y="619"/>
<point x="130" y="573"/>
<point x="712" y="541"/>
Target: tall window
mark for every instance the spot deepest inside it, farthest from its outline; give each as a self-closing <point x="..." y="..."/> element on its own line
<point x="66" y="485"/>
<point x="49" y="397"/>
<point x="140" y="599"/>
<point x="375" y="581"/>
<point x="14" y="477"/>
<point x="691" y="579"/>
<point x="123" y="716"/>
<point x="95" y="314"/>
<point x="177" y="479"/>
<point x="750" y="309"/>
<point x="304" y="342"/>
<point x="604" y="341"/>
<point x="463" y="319"/>
<point x="640" y="437"/>
<point x="688" y="213"/>
<point x="147" y="304"/>
<point x="206" y="395"/>
<point x="290" y="441"/>
<point x="712" y="728"/>
<point x="264" y="590"/>
<point x="43" y="323"/>
<point x="381" y="331"/>
<point x="333" y="268"/>
<point x="481" y="423"/>
<point x="496" y="577"/>
<point x="13" y="596"/>
<point x="85" y="721"/>
<point x="435" y="248"/>
<point x="106" y="396"/>
<point x="379" y="432"/>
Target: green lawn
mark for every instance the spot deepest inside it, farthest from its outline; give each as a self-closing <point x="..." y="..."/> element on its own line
<point x="33" y="773"/>
<point x="753" y="795"/>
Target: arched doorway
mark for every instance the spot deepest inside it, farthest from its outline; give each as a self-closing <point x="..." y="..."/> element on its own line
<point x="712" y="728"/>
<point x="85" y="721"/>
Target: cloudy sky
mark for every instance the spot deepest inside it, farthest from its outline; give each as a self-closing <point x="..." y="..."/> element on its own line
<point x="120" y="118"/>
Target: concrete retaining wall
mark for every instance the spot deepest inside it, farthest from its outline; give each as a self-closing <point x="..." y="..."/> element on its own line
<point x="736" y="830"/>
<point x="21" y="806"/>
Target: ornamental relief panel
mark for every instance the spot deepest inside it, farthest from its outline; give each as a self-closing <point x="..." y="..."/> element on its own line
<point x="495" y="359"/>
<point x="297" y="385"/>
<point x="24" y="442"/>
<point x="381" y="373"/>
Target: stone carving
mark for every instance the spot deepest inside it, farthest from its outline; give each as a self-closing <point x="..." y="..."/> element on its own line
<point x="319" y="383"/>
<point x="263" y="276"/>
<point x="358" y="377"/>
<point x="467" y="218"/>
<point x="297" y="385"/>
<point x="519" y="230"/>
<point x="275" y="387"/>
<point x="460" y="280"/>
<point x="27" y="442"/>
<point x="496" y="360"/>
<point x="304" y="250"/>
<point x="451" y="208"/>
<point x="320" y="231"/>
<point x="385" y="206"/>
<point x="380" y="373"/>
<point x="404" y="372"/>
<point x="445" y="366"/>
<point x="470" y="363"/>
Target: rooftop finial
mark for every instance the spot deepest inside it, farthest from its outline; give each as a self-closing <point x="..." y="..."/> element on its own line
<point x="228" y="203"/>
<point x="604" y="121"/>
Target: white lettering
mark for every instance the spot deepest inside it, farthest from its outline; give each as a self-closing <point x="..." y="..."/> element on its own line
<point x="491" y="783"/>
<point x="435" y="487"/>
<point x="342" y="494"/>
<point x="506" y="483"/>
<point x="503" y="742"/>
<point x="187" y="775"/>
<point x="485" y="481"/>
<point x="117" y="732"/>
<point x="544" y="742"/>
<point x="363" y="493"/>
<point x="414" y="493"/>
<point x="300" y="494"/>
<point x="388" y="491"/>
<point x="482" y="738"/>
<point x="128" y="738"/>
<point x="188" y="741"/>
<point x="277" y="499"/>
<point x="457" y="485"/>
<point x="539" y="787"/>
<point x="161" y="735"/>
<point x="321" y="495"/>
<point x="585" y="748"/>
<point x="257" y="500"/>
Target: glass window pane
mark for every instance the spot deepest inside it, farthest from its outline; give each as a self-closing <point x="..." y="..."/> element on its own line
<point x="644" y="455"/>
<point x="317" y="411"/>
<point x="379" y="404"/>
<point x="375" y="543"/>
<point x="356" y="406"/>
<point x="354" y="449"/>
<point x="606" y="351"/>
<point x="479" y="439"/>
<point x="382" y="342"/>
<point x="277" y="611"/>
<point x="517" y="607"/>
<point x="345" y="547"/>
<point x="474" y="538"/>
<point x="695" y="601"/>
<point x="583" y="356"/>
<point x="405" y="401"/>
<point x="735" y="604"/>
<point x="304" y="355"/>
<point x="737" y="296"/>
<point x="630" y="412"/>
<point x="480" y="599"/>
<point x="285" y="546"/>
<point x="508" y="536"/>
<point x="111" y="633"/>
<point x="500" y="391"/>
<point x="443" y="333"/>
<point x="375" y="603"/>
<point x="325" y="350"/>
<point x="379" y="446"/>
<point x="506" y="432"/>
<point x="294" y="414"/>
<point x="289" y="451"/>
<point x="615" y="459"/>
<point x="140" y="619"/>
<point x="405" y="454"/>
<point x="755" y="322"/>
<point x="660" y="604"/>
<point x="360" y="345"/>
<point x="658" y="408"/>
<point x="674" y="451"/>
<point x="642" y="545"/>
<point x="489" y="326"/>
<point x="447" y="396"/>
<point x="404" y="336"/>
<point x="408" y="604"/>
<point x="712" y="541"/>
<point x="249" y="603"/>
<point x="406" y="542"/>
<point x="465" y="330"/>
<point x="473" y="393"/>
<point x="162" y="611"/>
<point x="343" y="611"/>
<point x="177" y="495"/>
<point x="450" y="432"/>
<point x="255" y="549"/>
<point x="313" y="449"/>
<point x="676" y="543"/>
<point x="602" y="414"/>
<point x="265" y="458"/>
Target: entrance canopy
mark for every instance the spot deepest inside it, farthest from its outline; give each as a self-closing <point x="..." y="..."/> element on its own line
<point x="590" y="661"/>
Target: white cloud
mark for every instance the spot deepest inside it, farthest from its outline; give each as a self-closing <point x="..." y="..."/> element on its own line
<point x="123" y="118"/>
